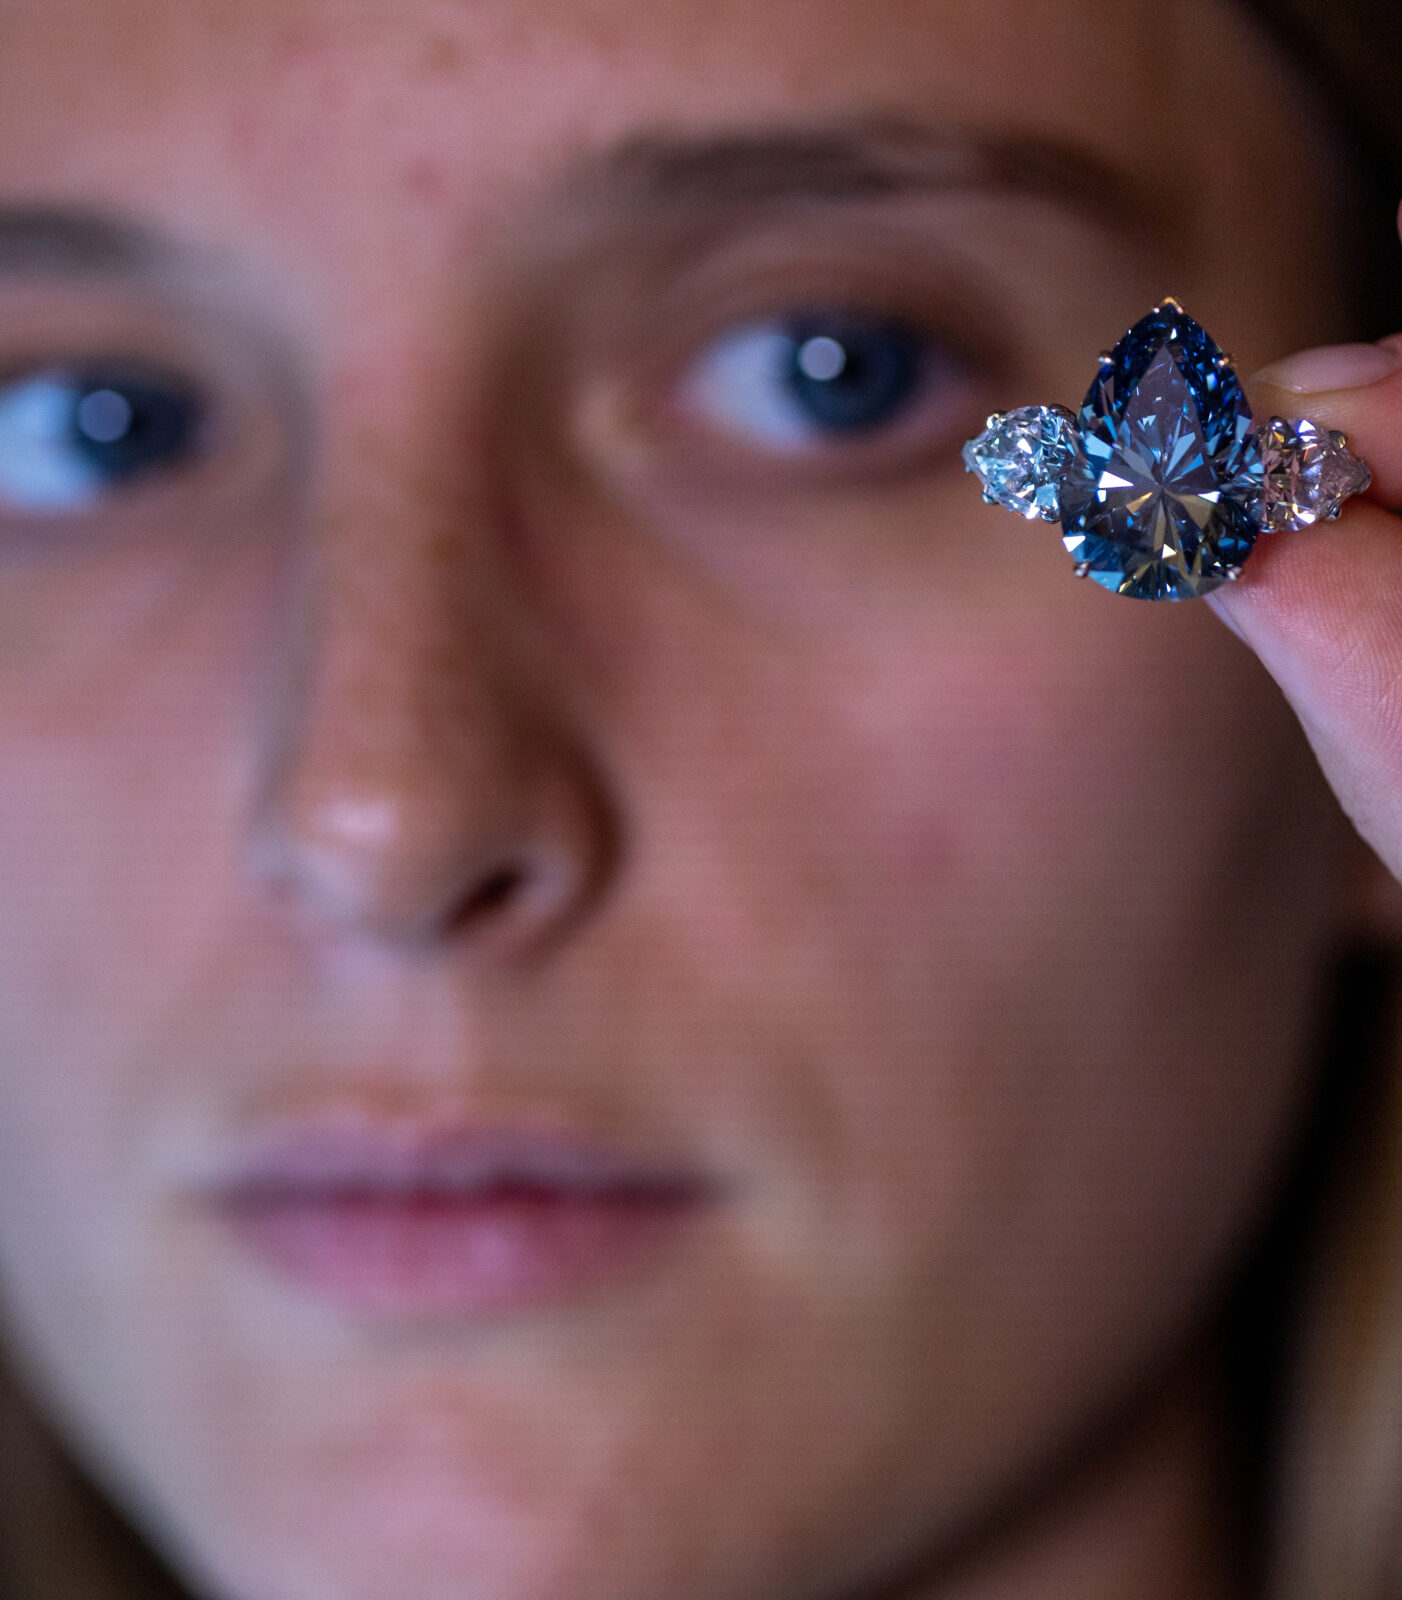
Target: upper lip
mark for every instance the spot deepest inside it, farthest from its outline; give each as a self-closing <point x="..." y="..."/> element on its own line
<point x="308" y="1157"/>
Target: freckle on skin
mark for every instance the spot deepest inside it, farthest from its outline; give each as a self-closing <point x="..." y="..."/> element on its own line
<point x="425" y="179"/>
<point x="442" y="54"/>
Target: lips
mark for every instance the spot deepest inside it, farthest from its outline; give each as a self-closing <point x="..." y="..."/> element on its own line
<point x="403" y="1219"/>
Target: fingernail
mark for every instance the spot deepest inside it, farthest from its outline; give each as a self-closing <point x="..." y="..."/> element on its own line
<point x="1335" y="366"/>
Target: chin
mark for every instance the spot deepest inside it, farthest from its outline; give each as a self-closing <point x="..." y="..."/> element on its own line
<point x="415" y="1542"/>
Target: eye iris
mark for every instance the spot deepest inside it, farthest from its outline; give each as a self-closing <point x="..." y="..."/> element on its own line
<point x="126" y="424"/>
<point x="851" y="375"/>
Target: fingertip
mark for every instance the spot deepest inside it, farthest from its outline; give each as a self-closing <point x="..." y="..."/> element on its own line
<point x="1331" y="368"/>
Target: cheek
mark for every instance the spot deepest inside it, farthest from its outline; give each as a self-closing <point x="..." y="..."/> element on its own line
<point x="991" y="787"/>
<point x="1030" y="904"/>
<point x="125" y="774"/>
<point x="983" y="967"/>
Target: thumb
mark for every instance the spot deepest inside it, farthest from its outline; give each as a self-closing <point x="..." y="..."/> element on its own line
<point x="1322" y="607"/>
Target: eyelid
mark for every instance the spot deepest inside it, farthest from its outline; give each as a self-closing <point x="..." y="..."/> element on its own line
<point x="632" y="335"/>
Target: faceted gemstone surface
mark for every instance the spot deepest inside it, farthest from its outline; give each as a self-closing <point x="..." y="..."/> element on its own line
<point x="1309" y="473"/>
<point x="1164" y="500"/>
<point x="1022" y="456"/>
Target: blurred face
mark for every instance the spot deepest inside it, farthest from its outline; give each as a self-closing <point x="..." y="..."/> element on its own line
<point x="608" y="986"/>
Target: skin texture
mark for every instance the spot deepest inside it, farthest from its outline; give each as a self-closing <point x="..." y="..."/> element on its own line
<point x="959" y="921"/>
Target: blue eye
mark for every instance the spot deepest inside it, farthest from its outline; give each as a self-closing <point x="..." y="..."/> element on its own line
<point x="823" y="375"/>
<point x="66" y="436"/>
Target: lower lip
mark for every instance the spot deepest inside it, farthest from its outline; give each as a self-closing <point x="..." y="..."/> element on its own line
<point x="420" y="1254"/>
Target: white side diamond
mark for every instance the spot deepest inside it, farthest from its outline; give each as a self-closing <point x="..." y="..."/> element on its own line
<point x="1021" y="457"/>
<point x="1309" y="473"/>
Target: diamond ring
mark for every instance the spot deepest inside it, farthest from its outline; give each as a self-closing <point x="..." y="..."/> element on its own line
<point x="1161" y="483"/>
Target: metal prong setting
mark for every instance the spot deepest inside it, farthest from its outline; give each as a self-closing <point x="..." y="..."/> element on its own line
<point x="1082" y="569"/>
<point x="1234" y="574"/>
<point x="1169" y="303"/>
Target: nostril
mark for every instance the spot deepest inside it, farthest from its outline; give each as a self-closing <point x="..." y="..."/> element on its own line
<point x="512" y="905"/>
<point x="521" y="898"/>
<point x="494" y="891"/>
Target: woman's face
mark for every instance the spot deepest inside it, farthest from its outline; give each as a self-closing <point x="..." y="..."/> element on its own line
<point x="608" y="986"/>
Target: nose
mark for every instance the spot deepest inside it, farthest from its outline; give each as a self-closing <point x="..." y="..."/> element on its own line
<point x="422" y="778"/>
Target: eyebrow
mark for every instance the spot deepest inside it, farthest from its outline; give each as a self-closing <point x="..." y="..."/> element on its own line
<point x="869" y="158"/>
<point x="743" y="169"/>
<point x="37" y="240"/>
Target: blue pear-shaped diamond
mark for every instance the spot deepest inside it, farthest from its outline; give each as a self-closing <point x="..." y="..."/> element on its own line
<point x="1164" y="502"/>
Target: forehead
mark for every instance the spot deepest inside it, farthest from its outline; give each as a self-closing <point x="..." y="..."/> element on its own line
<point x="265" y="102"/>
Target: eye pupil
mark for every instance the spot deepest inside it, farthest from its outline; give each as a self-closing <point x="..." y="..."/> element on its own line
<point x="851" y="374"/>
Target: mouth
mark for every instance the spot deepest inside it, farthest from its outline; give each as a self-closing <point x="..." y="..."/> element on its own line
<point x="401" y="1219"/>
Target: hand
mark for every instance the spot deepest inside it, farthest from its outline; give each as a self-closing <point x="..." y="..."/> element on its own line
<point x="1322" y="607"/>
